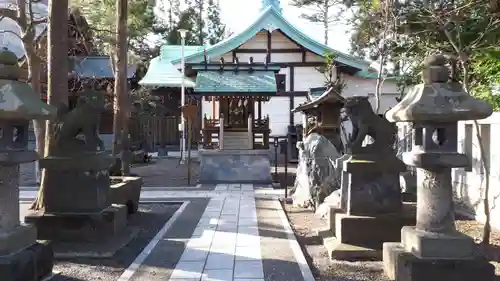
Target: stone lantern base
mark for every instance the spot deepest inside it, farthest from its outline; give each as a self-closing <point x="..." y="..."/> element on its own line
<point x="423" y="256"/>
<point x="33" y="263"/>
<point x="400" y="265"/>
<point x="351" y="241"/>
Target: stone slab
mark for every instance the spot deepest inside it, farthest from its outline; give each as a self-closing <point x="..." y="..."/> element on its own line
<point x="17" y="239"/>
<point x="343" y="251"/>
<point x="31" y="264"/>
<point x="79" y="227"/>
<point x="384" y="228"/>
<point x="437" y="246"/>
<point x="404" y="266"/>
<point x="235" y="166"/>
<point x="127" y="192"/>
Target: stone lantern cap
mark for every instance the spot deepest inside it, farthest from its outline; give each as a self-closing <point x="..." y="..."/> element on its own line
<point x="438" y="99"/>
<point x="17" y="99"/>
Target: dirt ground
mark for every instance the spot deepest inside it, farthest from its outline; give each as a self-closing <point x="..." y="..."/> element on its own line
<point x="304" y="222"/>
<point x="167" y="172"/>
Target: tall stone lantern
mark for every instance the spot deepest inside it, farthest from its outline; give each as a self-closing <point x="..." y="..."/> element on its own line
<point x="21" y="256"/>
<point x="434" y="249"/>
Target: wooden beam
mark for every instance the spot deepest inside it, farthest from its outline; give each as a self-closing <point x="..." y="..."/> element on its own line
<point x="291" y="88"/>
<point x="264" y="51"/>
<point x="304" y="53"/>
<point x="269" y="47"/>
<point x="234" y="55"/>
<point x="292" y="93"/>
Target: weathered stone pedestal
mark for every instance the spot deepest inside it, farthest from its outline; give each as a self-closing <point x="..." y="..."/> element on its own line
<point x="434" y="249"/>
<point x="373" y="203"/>
<point x="78" y="202"/>
<point x="235" y="166"/>
<point x="22" y="258"/>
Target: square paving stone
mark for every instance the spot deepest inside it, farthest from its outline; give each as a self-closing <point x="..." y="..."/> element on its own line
<point x="186" y="270"/>
<point x="217" y="275"/>
<point x="248" y="269"/>
<point x="219" y="261"/>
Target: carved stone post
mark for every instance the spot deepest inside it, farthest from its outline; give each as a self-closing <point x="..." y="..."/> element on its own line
<point x="434" y="249"/>
<point x="21" y="257"/>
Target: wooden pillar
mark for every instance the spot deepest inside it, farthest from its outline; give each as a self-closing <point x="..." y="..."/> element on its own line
<point x="213" y="108"/>
<point x="259" y="109"/>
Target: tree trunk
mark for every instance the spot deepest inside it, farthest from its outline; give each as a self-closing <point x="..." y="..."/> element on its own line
<point x="34" y="72"/>
<point x="57" y="88"/>
<point x="325" y="20"/>
<point x="119" y="120"/>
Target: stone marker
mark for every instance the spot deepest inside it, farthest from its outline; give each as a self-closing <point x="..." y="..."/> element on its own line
<point x="77" y="191"/>
<point x="434" y="249"/>
<point x="22" y="258"/>
<point x="370" y="195"/>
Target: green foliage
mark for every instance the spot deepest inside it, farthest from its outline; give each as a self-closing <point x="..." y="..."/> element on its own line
<point x="201" y="19"/>
<point x="216" y="29"/>
<point x="330" y="72"/>
<point x="466" y="29"/>
<point x="486" y="68"/>
<point x="101" y="15"/>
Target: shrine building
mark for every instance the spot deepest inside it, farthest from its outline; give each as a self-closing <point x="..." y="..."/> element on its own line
<point x="255" y="78"/>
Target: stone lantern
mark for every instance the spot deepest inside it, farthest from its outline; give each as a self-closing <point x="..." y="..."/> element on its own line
<point x="434" y="249"/>
<point x="21" y="257"/>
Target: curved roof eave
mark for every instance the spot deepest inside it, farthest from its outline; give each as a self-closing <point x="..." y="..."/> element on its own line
<point x="272" y="19"/>
<point x="170" y="76"/>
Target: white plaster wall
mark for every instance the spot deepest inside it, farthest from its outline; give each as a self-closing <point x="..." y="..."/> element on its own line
<point x="356" y="86"/>
<point x="297" y="116"/>
<point x="307" y="77"/>
<point x="468" y="183"/>
<point x="312" y="57"/>
<point x="278" y="109"/>
<point x="206" y="109"/>
<point x="259" y="41"/>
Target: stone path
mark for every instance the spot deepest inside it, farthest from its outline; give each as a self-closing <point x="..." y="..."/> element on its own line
<point x="225" y="232"/>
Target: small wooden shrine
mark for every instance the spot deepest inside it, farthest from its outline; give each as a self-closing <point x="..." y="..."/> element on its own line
<point x="321" y="114"/>
<point x="238" y="90"/>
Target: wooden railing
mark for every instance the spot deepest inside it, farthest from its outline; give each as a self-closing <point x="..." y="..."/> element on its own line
<point x="212" y="133"/>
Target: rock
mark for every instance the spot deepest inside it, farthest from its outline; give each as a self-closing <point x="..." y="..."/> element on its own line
<point x="316" y="175"/>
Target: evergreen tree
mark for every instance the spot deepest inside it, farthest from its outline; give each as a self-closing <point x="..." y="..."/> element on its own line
<point x="216" y="29"/>
<point x="199" y="18"/>
<point x="187" y="20"/>
<point x="322" y="12"/>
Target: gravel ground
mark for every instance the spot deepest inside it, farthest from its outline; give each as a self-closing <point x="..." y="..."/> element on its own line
<point x="150" y="219"/>
<point x="303" y="223"/>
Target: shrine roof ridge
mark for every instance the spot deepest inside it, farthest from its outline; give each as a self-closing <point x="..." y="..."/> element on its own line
<point x="235" y="67"/>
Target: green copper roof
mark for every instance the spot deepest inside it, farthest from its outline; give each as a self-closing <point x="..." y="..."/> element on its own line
<point x="274" y="3"/>
<point x="316" y="92"/>
<point x="272" y="19"/>
<point x="240" y="82"/>
<point x="162" y="73"/>
<point x="174" y="52"/>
